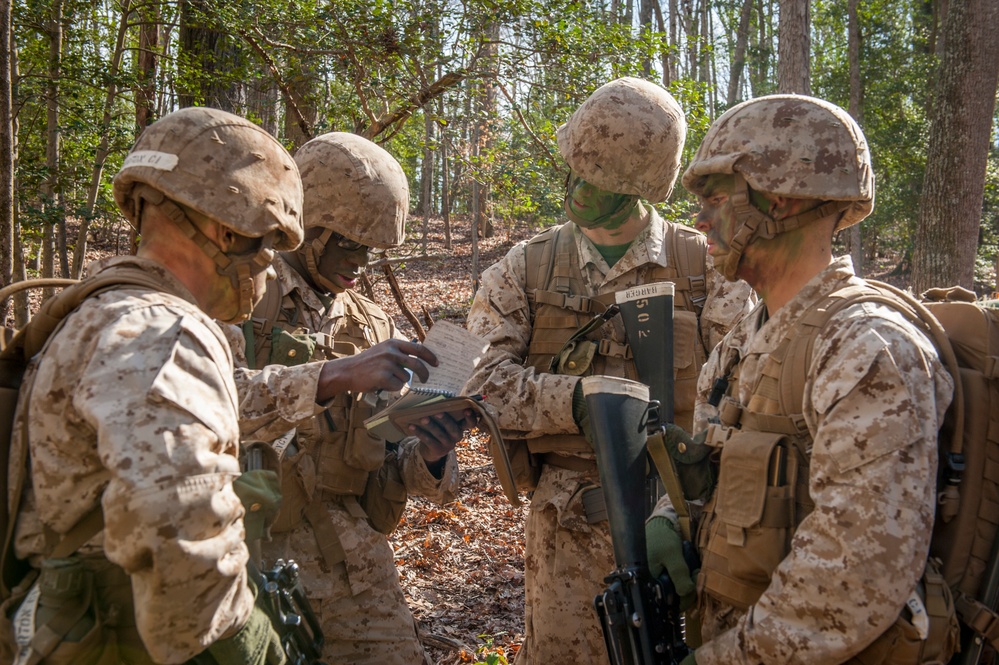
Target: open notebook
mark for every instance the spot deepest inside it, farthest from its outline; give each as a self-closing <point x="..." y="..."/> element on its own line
<point x="458" y="353"/>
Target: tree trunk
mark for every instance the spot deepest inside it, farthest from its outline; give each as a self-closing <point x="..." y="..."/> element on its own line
<point x="427" y="175"/>
<point x="145" y="65"/>
<point x="854" y="238"/>
<point x="794" y="48"/>
<point x="50" y="184"/>
<point x="445" y="183"/>
<point x="950" y="210"/>
<point x="693" y="42"/>
<point x="739" y="57"/>
<point x="301" y="93"/>
<point x="665" y="54"/>
<point x="482" y="130"/>
<point x="674" y="41"/>
<point x="20" y="273"/>
<point x="6" y="155"/>
<point x="645" y="26"/>
<point x="210" y="57"/>
<point x="80" y="251"/>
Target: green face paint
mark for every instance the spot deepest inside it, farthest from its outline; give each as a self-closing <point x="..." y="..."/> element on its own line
<point x="591" y="207"/>
<point x="716" y="218"/>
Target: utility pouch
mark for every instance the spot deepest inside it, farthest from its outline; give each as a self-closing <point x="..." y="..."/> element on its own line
<point x="384" y="498"/>
<point x="751" y="517"/>
<point x="298" y="482"/>
<point x="59" y="622"/>
<point x="525" y="465"/>
<point x="688" y="356"/>
<point x="926" y="632"/>
<point x="291" y="349"/>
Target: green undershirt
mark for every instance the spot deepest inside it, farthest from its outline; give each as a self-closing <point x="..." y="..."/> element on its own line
<point x="612" y="253"/>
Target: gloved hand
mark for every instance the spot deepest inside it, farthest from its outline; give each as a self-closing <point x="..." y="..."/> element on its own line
<point x="693" y="464"/>
<point x="665" y="549"/>
<point x="256" y="643"/>
<point x="688" y="659"/>
<point x="260" y="492"/>
<point x="581" y="413"/>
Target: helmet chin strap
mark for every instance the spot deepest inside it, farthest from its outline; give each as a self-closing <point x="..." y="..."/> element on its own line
<point x="237" y="267"/>
<point x="313" y="252"/>
<point x="754" y="223"/>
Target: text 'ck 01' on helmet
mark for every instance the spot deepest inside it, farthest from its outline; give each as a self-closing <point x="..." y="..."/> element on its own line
<point x="626" y="138"/>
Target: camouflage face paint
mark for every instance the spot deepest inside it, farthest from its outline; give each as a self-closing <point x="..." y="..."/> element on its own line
<point x="342" y="267"/>
<point x="716" y="218"/>
<point x="591" y="207"/>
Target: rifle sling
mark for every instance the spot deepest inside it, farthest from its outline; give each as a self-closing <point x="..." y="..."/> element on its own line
<point x="667" y="472"/>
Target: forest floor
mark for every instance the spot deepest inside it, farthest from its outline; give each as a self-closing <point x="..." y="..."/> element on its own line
<point x="461" y="564"/>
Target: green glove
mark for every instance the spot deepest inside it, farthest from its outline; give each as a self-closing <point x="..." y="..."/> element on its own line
<point x="665" y="549"/>
<point x="260" y="492"/>
<point x="581" y="413"/>
<point x="689" y="659"/>
<point x="256" y="643"/>
<point x="693" y="463"/>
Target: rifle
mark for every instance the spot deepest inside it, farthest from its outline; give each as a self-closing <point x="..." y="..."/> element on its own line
<point x="640" y="614"/>
<point x="280" y="594"/>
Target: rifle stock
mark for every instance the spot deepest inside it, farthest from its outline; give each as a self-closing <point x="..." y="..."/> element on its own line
<point x="647" y="313"/>
<point x="640" y="615"/>
<point x="279" y="592"/>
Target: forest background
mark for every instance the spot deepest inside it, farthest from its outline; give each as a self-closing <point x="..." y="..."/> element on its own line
<point x="468" y="96"/>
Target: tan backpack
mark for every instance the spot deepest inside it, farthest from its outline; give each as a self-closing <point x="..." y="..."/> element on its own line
<point x="965" y="533"/>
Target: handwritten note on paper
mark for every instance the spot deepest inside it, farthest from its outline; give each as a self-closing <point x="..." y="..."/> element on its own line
<point x="458" y="352"/>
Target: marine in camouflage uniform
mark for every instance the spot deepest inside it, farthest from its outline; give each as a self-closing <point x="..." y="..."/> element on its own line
<point x="134" y="408"/>
<point x="344" y="489"/>
<point x="819" y="528"/>
<point x="614" y="241"/>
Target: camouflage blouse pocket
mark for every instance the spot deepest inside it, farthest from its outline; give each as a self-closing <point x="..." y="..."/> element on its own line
<point x="291" y="349"/>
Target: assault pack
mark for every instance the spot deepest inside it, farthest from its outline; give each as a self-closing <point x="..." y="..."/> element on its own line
<point x="964" y="545"/>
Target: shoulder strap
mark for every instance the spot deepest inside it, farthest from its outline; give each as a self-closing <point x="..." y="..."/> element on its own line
<point x="688" y="255"/>
<point x="788" y="365"/>
<point x="257" y="329"/>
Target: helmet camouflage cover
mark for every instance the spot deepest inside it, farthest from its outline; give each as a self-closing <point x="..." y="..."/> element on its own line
<point x="355" y="188"/>
<point x="223" y="166"/>
<point x="791" y="145"/>
<point x="626" y="138"/>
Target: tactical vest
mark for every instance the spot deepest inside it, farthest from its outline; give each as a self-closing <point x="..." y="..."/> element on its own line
<point x="559" y="307"/>
<point x="342" y="452"/>
<point x="763" y="493"/>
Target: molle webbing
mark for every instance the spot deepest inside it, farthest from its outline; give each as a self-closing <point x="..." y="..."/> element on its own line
<point x="775" y="407"/>
<point x="555" y="286"/>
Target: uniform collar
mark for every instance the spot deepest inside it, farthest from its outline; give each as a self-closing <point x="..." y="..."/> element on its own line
<point x="290" y="280"/>
<point x="170" y="284"/>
